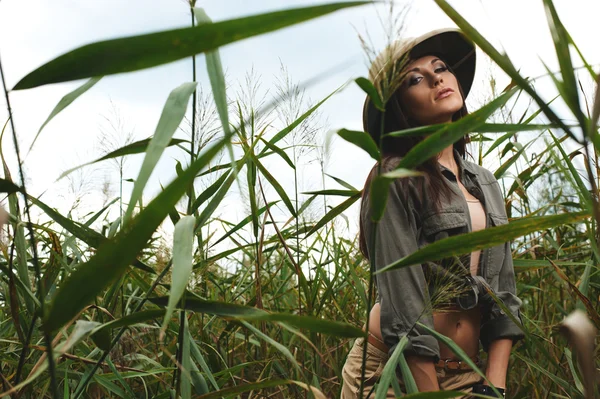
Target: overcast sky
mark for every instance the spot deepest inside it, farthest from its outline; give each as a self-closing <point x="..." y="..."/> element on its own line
<point x="36" y="31"/>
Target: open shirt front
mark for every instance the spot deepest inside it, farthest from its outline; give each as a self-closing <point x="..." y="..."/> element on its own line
<point x="409" y="223"/>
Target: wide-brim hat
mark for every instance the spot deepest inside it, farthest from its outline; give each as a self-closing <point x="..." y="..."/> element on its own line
<point x="456" y="49"/>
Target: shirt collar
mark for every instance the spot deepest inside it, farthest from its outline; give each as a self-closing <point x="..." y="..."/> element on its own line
<point x="463" y="165"/>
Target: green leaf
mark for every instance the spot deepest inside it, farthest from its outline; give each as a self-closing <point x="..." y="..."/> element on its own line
<point x="464" y="243"/>
<point x="172" y="114"/>
<point x="451" y="132"/>
<point x="186" y="362"/>
<point x="100" y="333"/>
<point x="504" y="167"/>
<point x="7" y="186"/>
<point x="342" y="183"/>
<point x="215" y="73"/>
<point x="279" y="152"/>
<point x="435" y="395"/>
<point x="280" y="191"/>
<point x="200" y="360"/>
<point x="183" y="243"/>
<point x="288" y="129"/>
<point x="362" y="140"/>
<point x="343" y="193"/>
<point x="484" y="128"/>
<point x="380" y="186"/>
<point x="560" y="37"/>
<point x="457" y="351"/>
<point x="371" y="91"/>
<point x="253" y="386"/>
<point x="145" y="51"/>
<point x="133" y="148"/>
<point x="389" y="371"/>
<point x="209" y="192"/>
<point x="65" y="102"/>
<point x="248" y="313"/>
<point x="244" y="222"/>
<point x="334" y="212"/>
<point x="111" y="260"/>
<point x="503" y="62"/>
<point x="84" y="233"/>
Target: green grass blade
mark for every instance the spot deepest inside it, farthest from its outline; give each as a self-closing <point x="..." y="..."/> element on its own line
<point x="183" y="243"/>
<point x="469" y="242"/>
<point x="389" y="371"/>
<point x="362" y="140"/>
<point x="130" y="149"/>
<point x="342" y="182"/>
<point x="111" y="260"/>
<point x="172" y="115"/>
<point x="9" y="187"/>
<point x="208" y="192"/>
<point x="241" y="312"/>
<point x="438" y="395"/>
<point x="280" y="152"/>
<point x="409" y="380"/>
<point x="244" y="222"/>
<point x="451" y="132"/>
<point x="560" y="37"/>
<point x="343" y="193"/>
<point x="215" y="73"/>
<point x="64" y="103"/>
<point x="84" y="233"/>
<point x="457" y="351"/>
<point x="145" y="51"/>
<point x="101" y="334"/>
<point x="200" y="360"/>
<point x="288" y="129"/>
<point x="484" y="128"/>
<point x="271" y="179"/>
<point x="503" y="62"/>
<point x="367" y="86"/>
<point x="281" y="348"/>
<point x="253" y="386"/>
<point x="333" y="213"/>
<point x="186" y="363"/>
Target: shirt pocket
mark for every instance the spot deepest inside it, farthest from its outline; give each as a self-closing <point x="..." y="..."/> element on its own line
<point x="498" y="252"/>
<point x="448" y="222"/>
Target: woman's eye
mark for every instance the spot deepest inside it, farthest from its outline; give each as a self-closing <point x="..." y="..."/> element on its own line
<point x="441" y="69"/>
<point x="414" y="80"/>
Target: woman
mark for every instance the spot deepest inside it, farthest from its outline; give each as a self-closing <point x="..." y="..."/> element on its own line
<point x="429" y="78"/>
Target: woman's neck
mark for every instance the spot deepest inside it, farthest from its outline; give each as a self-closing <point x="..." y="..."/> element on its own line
<point x="446" y="158"/>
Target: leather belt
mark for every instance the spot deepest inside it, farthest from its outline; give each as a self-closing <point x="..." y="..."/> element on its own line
<point x="457" y="364"/>
<point x="446" y="364"/>
<point x="377" y="343"/>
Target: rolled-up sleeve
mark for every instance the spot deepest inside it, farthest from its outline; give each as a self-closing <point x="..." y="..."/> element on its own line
<point x="496" y="323"/>
<point x="402" y="292"/>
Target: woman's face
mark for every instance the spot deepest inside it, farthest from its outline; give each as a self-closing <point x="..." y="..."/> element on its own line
<point x="429" y="93"/>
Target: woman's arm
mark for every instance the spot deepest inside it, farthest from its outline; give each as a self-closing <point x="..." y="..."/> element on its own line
<point x="497" y="364"/>
<point x="403" y="292"/>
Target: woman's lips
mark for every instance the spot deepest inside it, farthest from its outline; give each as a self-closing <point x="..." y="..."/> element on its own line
<point x="444" y="93"/>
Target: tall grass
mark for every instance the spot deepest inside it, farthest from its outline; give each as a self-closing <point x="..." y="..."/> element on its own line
<point x="268" y="305"/>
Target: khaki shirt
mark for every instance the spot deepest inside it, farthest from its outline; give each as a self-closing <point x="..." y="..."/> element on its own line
<point x="410" y="223"/>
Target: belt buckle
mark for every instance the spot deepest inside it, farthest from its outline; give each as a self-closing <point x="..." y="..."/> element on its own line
<point x="458" y="362"/>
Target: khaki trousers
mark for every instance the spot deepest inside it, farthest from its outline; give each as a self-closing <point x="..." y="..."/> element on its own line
<point x="460" y="380"/>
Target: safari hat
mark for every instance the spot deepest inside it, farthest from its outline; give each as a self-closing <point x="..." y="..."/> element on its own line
<point x="450" y="44"/>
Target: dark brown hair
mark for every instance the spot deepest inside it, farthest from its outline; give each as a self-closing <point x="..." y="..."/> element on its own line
<point x="434" y="185"/>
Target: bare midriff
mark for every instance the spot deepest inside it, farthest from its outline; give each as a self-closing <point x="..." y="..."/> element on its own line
<point x="462" y="326"/>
